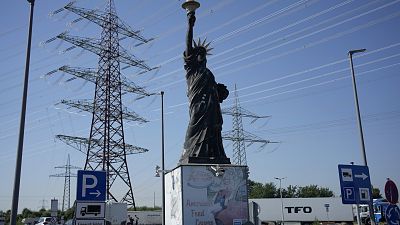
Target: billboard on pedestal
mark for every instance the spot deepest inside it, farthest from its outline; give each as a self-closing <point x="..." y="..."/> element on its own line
<point x="206" y="194"/>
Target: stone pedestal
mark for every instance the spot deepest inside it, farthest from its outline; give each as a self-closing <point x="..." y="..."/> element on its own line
<point x="206" y="194"/>
<point x="205" y="160"/>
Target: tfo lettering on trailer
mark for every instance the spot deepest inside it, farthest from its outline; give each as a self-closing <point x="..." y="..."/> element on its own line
<point x="299" y="209"/>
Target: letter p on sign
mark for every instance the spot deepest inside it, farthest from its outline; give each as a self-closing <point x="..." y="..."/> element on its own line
<point x="349" y="193"/>
<point x="86" y="184"/>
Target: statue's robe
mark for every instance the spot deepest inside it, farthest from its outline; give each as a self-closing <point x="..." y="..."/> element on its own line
<point x="203" y="135"/>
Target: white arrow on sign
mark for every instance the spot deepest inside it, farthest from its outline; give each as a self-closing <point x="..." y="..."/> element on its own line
<point x="362" y="175"/>
<point x="97" y="193"/>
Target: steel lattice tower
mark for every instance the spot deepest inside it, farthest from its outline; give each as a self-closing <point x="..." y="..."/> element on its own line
<point x="239" y="152"/>
<point x="66" y="203"/>
<point x="105" y="148"/>
<point x="238" y="135"/>
<point x="107" y="123"/>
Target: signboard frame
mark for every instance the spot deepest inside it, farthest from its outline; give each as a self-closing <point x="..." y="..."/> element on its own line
<point x="355" y="184"/>
<point x="93" y="216"/>
<point x="90" y="222"/>
<point x="91" y="185"/>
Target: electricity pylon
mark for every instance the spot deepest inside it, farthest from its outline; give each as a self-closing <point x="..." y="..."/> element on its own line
<point x="66" y="203"/>
<point x="238" y="135"/>
<point x="105" y="148"/>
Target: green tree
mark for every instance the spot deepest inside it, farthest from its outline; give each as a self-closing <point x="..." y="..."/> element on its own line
<point x="69" y="214"/>
<point x="255" y="189"/>
<point x="7" y="216"/>
<point x="376" y="193"/>
<point x="311" y="191"/>
<point x="290" y="192"/>
<point x="26" y="213"/>
<point x="259" y="190"/>
<point x="269" y="190"/>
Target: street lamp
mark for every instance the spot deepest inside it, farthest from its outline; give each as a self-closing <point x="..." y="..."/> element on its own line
<point x="356" y="103"/>
<point x="17" y="178"/>
<point x="190" y="5"/>
<point x="162" y="158"/>
<point x="364" y="156"/>
<point x="280" y="192"/>
<point x="161" y="173"/>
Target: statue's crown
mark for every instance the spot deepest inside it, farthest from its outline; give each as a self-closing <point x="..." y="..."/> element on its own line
<point x="204" y="45"/>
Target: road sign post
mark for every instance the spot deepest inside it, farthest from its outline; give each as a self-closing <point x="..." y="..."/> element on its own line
<point x="355" y="184"/>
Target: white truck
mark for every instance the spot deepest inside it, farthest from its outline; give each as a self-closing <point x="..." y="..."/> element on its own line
<point x="146" y="217"/>
<point x="301" y="211"/>
<point x="116" y="213"/>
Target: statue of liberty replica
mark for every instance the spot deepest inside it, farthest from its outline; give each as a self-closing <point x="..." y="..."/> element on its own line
<point x="203" y="141"/>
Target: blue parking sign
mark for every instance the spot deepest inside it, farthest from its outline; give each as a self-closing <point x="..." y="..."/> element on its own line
<point x="91" y="185"/>
<point x="355" y="184"/>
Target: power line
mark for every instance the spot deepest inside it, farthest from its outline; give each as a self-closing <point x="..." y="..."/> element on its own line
<point x="319" y="84"/>
<point x="262" y="61"/>
<point x="313" y="69"/>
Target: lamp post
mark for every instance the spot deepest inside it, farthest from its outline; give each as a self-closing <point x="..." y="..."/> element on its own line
<point x="17" y="178"/>
<point x="190" y="5"/>
<point x="162" y="158"/>
<point x="356" y="103"/>
<point x="364" y="156"/>
<point x="280" y="193"/>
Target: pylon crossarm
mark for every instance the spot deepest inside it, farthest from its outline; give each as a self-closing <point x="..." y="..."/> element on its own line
<point x="132" y="116"/>
<point x="89" y="74"/>
<point x="99" y="17"/>
<point x="127" y="58"/>
<point x="130" y="149"/>
<point x="129" y="86"/>
<point x="78" y="143"/>
<point x="90" y="44"/>
<point x="94" y="46"/>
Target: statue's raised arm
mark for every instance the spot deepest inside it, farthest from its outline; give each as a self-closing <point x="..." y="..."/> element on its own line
<point x="189" y="35"/>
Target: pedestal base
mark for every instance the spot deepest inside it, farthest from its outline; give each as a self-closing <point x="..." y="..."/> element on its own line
<point x="206" y="194"/>
<point x="205" y="160"/>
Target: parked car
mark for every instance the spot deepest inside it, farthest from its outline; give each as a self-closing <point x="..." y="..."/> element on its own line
<point x="44" y="221"/>
<point x="69" y="222"/>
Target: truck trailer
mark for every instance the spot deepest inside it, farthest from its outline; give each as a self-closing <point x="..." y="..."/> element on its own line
<point x="302" y="211"/>
<point x="116" y="213"/>
<point x="146" y="217"/>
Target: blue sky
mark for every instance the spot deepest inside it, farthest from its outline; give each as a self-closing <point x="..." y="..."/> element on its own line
<point x="287" y="58"/>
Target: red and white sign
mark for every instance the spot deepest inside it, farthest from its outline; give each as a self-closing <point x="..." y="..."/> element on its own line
<point x="391" y="192"/>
